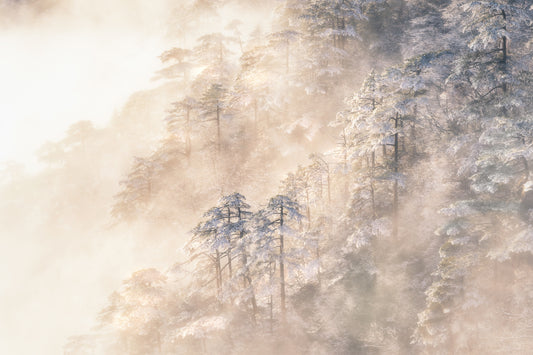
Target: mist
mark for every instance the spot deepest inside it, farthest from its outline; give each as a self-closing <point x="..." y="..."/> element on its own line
<point x="69" y="61"/>
<point x="258" y="177"/>
<point x="64" y="62"/>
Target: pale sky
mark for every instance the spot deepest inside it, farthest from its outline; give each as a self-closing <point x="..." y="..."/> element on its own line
<point x="79" y="60"/>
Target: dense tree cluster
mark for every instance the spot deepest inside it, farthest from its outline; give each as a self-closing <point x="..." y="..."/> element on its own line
<point x="414" y="234"/>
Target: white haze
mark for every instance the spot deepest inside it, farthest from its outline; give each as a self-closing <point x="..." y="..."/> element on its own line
<point x="77" y="60"/>
<point x="361" y="285"/>
<point x="62" y="62"/>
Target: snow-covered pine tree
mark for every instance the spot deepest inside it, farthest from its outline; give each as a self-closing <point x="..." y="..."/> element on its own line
<point x="490" y="88"/>
<point x="180" y="67"/>
<point x="137" y="313"/>
<point x="272" y="226"/>
<point x="179" y="130"/>
<point x="212" y="104"/>
<point x="137" y="192"/>
<point x="386" y="113"/>
<point x="213" y="53"/>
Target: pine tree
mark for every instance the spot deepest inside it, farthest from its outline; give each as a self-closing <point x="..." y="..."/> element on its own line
<point x="137" y="312"/>
<point x="137" y="192"/>
<point x="180" y="67"/>
<point x="278" y="213"/>
<point x="490" y="87"/>
<point x="212" y="104"/>
<point x="179" y="128"/>
<point x="209" y="245"/>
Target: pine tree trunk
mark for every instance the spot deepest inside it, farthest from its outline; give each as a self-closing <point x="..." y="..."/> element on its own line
<point x="282" y="268"/>
<point x="413" y="139"/>
<point x="334" y="25"/>
<point x="395" y="202"/>
<point x="318" y="275"/>
<point x="229" y="247"/>
<point x="504" y="54"/>
<point x="219" y="274"/>
<point x="307" y="207"/>
<point x="271" y="306"/>
<point x="329" y="186"/>
<point x="345" y="161"/>
<point x="271" y="301"/>
<point x="188" y="136"/>
<point x="403" y="140"/>
<point x="255" y="116"/>
<point x="343" y="37"/>
<point x="246" y="275"/>
<point x="253" y="299"/>
<point x="372" y="190"/>
<point x="287" y="51"/>
<point x="218" y="127"/>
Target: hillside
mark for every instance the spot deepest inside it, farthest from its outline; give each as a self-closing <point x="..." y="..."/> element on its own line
<point x="309" y="177"/>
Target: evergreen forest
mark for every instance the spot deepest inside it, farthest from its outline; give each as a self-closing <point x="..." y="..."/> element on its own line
<point x="305" y="177"/>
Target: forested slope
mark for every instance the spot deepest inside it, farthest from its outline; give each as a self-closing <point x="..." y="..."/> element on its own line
<point x="354" y="177"/>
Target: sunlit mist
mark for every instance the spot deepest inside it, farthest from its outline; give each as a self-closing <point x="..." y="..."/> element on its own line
<point x="72" y="61"/>
<point x="266" y="177"/>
